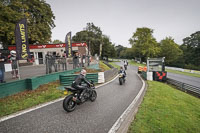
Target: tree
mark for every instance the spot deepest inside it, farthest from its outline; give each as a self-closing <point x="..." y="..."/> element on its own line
<point x="170" y="50"/>
<point x="144" y="44"/>
<point x="127" y="53"/>
<point x="94" y="37"/>
<point x="118" y="49"/>
<point x="40" y="20"/>
<point x="108" y="49"/>
<point x="57" y="41"/>
<point x="191" y="49"/>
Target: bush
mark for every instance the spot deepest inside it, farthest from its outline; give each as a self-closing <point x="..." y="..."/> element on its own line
<point x="192" y="67"/>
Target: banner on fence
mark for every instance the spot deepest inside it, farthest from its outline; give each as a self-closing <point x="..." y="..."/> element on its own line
<point x="21" y="40"/>
<point x="68" y="45"/>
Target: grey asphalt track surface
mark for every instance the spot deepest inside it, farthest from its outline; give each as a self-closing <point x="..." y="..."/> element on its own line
<point x="185" y="79"/>
<point x="90" y="117"/>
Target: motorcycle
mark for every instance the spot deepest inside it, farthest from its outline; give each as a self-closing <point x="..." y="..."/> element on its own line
<point x="77" y="97"/>
<point x="125" y="66"/>
<point x="121" y="78"/>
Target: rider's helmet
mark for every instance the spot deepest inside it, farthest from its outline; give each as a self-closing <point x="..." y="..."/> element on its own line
<point x="83" y="72"/>
<point x="13" y="53"/>
<point x="121" y="67"/>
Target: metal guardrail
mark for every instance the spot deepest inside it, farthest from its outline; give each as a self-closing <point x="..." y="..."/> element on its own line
<point x="185" y="87"/>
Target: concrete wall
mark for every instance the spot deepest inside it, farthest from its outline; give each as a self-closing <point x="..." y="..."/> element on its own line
<point x="110" y="73"/>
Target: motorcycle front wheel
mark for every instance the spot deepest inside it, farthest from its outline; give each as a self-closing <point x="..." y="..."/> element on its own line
<point x="68" y="104"/>
<point x="93" y="96"/>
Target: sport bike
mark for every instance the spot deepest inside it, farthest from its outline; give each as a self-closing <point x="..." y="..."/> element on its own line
<point x="77" y="97"/>
<point x="121" y="78"/>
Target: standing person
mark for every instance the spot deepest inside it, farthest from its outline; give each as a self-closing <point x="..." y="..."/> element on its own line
<point x="83" y="61"/>
<point x="63" y="61"/>
<point x="80" y="60"/>
<point x="75" y="61"/>
<point x="47" y="62"/>
<point x="54" y="64"/>
<point x="2" y="67"/>
<point x="58" y="61"/>
<point x="13" y="60"/>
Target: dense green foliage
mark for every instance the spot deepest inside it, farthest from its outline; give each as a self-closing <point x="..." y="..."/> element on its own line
<point x="144" y="44"/>
<point x="57" y="41"/>
<point x="94" y="38"/>
<point x="40" y="20"/>
<point x="170" y="50"/>
<point x="119" y="50"/>
<point x="191" y="51"/>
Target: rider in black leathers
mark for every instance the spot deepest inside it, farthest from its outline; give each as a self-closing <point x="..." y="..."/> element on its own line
<point x="77" y="83"/>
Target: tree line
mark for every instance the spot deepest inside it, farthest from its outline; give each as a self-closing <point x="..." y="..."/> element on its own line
<point x="144" y="45"/>
<point x="40" y="19"/>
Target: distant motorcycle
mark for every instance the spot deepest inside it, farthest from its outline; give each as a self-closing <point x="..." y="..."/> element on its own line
<point x="121" y="78"/>
<point x="71" y="101"/>
<point x="125" y="67"/>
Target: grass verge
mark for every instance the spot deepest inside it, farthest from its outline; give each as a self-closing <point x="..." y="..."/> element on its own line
<point x="27" y="99"/>
<point x="183" y="73"/>
<point x="167" y="110"/>
<point x="103" y="66"/>
<point x="114" y="65"/>
<point x="135" y="64"/>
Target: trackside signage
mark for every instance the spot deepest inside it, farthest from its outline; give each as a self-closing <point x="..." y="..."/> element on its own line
<point x="21" y="40"/>
<point x="39" y="46"/>
<point x="68" y="44"/>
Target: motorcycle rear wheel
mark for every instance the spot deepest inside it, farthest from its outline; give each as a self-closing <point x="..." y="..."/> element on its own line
<point x="120" y="81"/>
<point x="68" y="104"/>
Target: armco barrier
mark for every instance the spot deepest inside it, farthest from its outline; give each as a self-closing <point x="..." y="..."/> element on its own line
<point x="66" y="80"/>
<point x="14" y="87"/>
<point x="185" y="87"/>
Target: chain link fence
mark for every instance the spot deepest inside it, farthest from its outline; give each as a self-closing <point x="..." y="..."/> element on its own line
<point x="57" y="64"/>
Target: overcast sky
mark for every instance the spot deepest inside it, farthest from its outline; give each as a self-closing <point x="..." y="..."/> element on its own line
<point x="119" y="19"/>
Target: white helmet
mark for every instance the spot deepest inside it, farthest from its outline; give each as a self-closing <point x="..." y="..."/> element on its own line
<point x="13" y="52"/>
<point x="83" y="72"/>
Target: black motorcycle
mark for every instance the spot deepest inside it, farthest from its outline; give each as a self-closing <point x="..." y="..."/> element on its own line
<point x="71" y="101"/>
<point x="121" y="78"/>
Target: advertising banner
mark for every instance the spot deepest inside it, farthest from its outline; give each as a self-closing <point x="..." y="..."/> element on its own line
<point x="68" y="45"/>
<point x="21" y="40"/>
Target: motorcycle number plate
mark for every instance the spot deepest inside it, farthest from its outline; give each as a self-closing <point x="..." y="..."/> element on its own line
<point x="65" y="92"/>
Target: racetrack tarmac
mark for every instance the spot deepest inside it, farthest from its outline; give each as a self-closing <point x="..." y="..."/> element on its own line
<point x="90" y="117"/>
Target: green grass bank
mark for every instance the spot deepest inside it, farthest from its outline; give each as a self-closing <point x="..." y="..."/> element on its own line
<point x="166" y="110"/>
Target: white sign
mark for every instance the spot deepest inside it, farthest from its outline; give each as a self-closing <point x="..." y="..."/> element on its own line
<point x="8" y="67"/>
